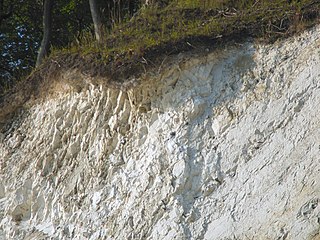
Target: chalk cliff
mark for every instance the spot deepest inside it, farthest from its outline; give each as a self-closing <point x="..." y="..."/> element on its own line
<point x="222" y="146"/>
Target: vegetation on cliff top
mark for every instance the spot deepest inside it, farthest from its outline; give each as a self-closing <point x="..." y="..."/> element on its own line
<point x="143" y="39"/>
<point x="155" y="33"/>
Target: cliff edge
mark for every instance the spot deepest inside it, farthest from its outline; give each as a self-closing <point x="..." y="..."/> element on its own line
<point x="218" y="146"/>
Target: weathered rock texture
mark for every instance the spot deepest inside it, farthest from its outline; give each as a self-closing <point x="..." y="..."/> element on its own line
<point x="219" y="147"/>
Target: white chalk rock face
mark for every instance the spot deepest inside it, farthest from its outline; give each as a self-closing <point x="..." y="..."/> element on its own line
<point x="225" y="146"/>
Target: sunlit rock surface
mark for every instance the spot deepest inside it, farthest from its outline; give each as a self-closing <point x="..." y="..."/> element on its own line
<point x="225" y="146"/>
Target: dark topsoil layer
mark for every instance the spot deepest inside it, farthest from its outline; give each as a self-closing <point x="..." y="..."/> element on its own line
<point x="115" y="73"/>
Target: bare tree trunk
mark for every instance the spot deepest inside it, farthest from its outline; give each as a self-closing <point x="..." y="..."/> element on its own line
<point x="97" y="22"/>
<point x="47" y="31"/>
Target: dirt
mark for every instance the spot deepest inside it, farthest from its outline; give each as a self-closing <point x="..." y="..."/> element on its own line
<point x="115" y="73"/>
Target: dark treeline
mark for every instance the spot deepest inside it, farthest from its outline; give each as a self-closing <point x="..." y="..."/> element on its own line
<point x="30" y="28"/>
<point x="22" y="30"/>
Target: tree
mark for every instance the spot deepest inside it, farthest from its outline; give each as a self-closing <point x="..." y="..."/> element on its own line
<point x="47" y="31"/>
<point x="20" y="36"/>
<point x="97" y="22"/>
<point x="22" y="30"/>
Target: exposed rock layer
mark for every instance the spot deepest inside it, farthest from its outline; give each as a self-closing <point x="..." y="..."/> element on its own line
<point x="221" y="147"/>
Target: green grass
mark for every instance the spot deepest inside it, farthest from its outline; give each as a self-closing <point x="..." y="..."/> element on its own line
<point x="192" y="19"/>
<point x="144" y="42"/>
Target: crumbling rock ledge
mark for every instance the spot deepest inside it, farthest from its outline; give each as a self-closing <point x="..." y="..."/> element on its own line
<point x="225" y="146"/>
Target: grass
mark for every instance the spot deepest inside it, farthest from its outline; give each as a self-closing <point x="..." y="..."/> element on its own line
<point x="198" y="18"/>
<point x="142" y="43"/>
<point x="186" y="24"/>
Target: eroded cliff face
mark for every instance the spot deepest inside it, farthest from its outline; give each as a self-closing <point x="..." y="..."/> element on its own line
<point x="225" y="146"/>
